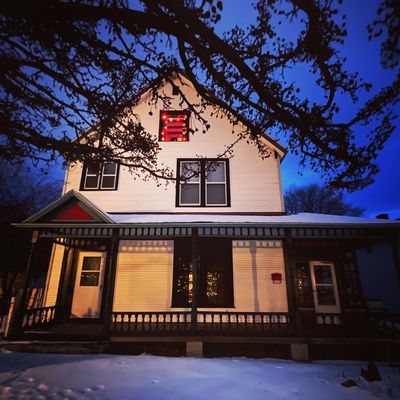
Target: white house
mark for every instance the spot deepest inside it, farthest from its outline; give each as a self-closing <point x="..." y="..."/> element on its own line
<point x="213" y="255"/>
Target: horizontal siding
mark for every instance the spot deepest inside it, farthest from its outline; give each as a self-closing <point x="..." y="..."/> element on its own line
<point x="145" y="272"/>
<point x="144" y="275"/>
<point x="253" y="264"/>
<point x="53" y="277"/>
<point x="255" y="184"/>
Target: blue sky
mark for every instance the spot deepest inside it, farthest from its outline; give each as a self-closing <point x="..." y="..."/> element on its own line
<point x="383" y="196"/>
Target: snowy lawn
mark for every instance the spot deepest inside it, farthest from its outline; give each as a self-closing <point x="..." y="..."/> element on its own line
<point x="54" y="376"/>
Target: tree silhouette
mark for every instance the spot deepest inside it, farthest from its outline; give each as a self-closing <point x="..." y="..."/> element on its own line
<point x="22" y="194"/>
<point x="67" y="66"/>
<point x="314" y="198"/>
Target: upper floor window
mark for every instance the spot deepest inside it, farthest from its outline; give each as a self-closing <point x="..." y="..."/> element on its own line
<point x="174" y="126"/>
<point x="203" y="183"/>
<point x="100" y="177"/>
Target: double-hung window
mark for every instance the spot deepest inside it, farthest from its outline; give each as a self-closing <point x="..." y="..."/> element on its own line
<point x="100" y="177"/>
<point x="203" y="183"/>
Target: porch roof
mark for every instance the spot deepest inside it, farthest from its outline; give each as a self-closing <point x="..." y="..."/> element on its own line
<point x="301" y="219"/>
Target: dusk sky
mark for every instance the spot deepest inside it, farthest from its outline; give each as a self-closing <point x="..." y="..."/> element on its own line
<point x="383" y="196"/>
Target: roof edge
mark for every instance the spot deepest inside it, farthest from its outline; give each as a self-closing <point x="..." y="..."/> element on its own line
<point x="61" y="200"/>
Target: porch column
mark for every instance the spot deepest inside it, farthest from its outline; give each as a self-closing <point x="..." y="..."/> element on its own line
<point x="111" y="268"/>
<point x="291" y="296"/>
<point x="17" y="318"/>
<point x="195" y="266"/>
<point x="61" y="313"/>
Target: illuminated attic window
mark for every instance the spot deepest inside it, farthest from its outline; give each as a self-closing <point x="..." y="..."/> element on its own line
<point x="174" y="126"/>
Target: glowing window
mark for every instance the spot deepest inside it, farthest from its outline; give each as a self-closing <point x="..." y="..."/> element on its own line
<point x="174" y="126"/>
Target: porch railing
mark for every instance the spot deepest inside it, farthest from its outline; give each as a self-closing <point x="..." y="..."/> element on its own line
<point x="35" y="317"/>
<point x="207" y="323"/>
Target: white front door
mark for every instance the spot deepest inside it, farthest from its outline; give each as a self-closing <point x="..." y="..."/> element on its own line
<point x="86" y="301"/>
<point x="323" y="278"/>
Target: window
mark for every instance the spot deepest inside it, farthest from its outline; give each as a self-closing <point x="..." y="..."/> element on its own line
<point x="103" y="177"/>
<point x="90" y="271"/>
<point x="203" y="183"/>
<point x="215" y="285"/>
<point x="303" y="284"/>
<point x="174" y="126"/>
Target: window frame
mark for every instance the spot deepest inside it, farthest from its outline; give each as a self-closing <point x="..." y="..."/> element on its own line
<point x="100" y="176"/>
<point x="203" y="182"/>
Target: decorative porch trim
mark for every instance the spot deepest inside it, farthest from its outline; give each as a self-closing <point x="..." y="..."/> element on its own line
<point x="65" y="199"/>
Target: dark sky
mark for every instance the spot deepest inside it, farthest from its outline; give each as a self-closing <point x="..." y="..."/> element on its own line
<point x="383" y="196"/>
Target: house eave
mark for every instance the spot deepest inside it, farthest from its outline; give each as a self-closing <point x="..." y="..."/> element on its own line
<point x="395" y="225"/>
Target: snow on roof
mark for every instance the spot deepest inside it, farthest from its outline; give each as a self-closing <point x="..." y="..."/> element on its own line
<point x="295" y="219"/>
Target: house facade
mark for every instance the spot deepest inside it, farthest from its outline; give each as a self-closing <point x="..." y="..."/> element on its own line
<point x="207" y="261"/>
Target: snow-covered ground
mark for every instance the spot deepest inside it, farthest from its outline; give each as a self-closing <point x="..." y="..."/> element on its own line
<point x="54" y="376"/>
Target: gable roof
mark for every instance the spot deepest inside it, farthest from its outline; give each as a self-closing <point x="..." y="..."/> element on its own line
<point x="71" y="207"/>
<point x="170" y="72"/>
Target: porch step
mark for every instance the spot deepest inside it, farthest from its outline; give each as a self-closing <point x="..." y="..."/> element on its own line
<point x="60" y="347"/>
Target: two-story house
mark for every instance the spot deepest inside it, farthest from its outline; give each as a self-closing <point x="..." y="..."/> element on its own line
<point x="210" y="261"/>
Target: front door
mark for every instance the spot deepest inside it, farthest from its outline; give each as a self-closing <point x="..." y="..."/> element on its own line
<point x="326" y="298"/>
<point x="86" y="302"/>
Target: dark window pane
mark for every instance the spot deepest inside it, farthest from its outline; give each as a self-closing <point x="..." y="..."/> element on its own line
<point x="303" y="285"/>
<point x="215" y="274"/>
<point x="183" y="277"/>
<point x="110" y="168"/>
<point x="108" y="182"/>
<point x="323" y="274"/>
<point x="90" y="278"/>
<point x="91" y="263"/>
<point x="93" y="169"/>
<point x="191" y="170"/>
<point x="216" y="194"/>
<point x="190" y="193"/>
<point x="91" y="182"/>
<point x="351" y="283"/>
<point x="215" y="286"/>
<point x="326" y="295"/>
<point x="216" y="172"/>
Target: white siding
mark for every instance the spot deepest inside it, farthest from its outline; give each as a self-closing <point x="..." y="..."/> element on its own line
<point x="145" y="272"/>
<point x="253" y="263"/>
<point x="144" y="275"/>
<point x="53" y="276"/>
<point x="255" y="183"/>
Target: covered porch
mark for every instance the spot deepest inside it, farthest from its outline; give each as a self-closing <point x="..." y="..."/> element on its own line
<point x="318" y="283"/>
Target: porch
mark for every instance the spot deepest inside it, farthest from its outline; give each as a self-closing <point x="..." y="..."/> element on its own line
<point x="42" y="322"/>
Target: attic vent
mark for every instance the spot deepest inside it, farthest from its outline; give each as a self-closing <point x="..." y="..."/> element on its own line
<point x="174" y="126"/>
<point x="175" y="91"/>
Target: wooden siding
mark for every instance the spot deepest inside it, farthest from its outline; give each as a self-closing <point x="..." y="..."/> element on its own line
<point x="253" y="264"/>
<point x="254" y="183"/>
<point x="145" y="271"/>
<point x="144" y="275"/>
<point x="53" y="275"/>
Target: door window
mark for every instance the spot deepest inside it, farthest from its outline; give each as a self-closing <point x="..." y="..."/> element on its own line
<point x="90" y="271"/>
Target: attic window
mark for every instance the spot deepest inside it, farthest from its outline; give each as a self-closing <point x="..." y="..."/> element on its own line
<point x="174" y="126"/>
